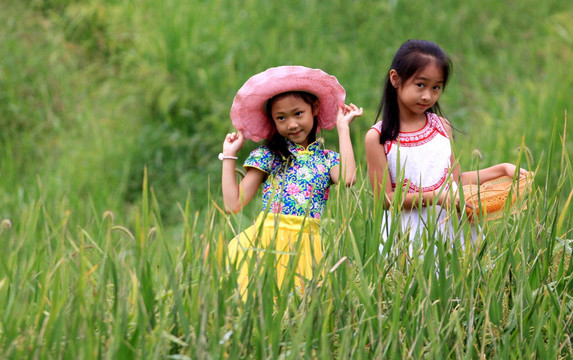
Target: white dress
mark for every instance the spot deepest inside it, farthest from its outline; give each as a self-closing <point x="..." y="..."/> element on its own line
<point x="420" y="161"/>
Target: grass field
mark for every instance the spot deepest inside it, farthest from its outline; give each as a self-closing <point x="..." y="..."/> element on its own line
<point x="112" y="236"/>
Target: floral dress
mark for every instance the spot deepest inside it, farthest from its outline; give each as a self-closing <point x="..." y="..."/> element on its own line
<point x="294" y="197"/>
<point x="301" y="188"/>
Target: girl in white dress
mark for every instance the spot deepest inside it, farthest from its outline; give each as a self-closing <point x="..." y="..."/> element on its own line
<point x="408" y="150"/>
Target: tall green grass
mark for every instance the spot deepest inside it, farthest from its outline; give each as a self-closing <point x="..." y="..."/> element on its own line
<point x="110" y="290"/>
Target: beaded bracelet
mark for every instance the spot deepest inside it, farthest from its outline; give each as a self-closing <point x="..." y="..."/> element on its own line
<point x="223" y="157"/>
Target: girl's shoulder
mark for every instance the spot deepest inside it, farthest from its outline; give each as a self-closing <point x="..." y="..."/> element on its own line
<point x="328" y="152"/>
<point x="329" y="158"/>
<point x="377" y="126"/>
<point x="441" y="123"/>
<point x="320" y="155"/>
<point x="262" y="158"/>
<point x="332" y="157"/>
<point x="261" y="150"/>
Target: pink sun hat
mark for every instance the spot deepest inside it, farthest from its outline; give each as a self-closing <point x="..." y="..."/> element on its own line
<point x="248" y="112"/>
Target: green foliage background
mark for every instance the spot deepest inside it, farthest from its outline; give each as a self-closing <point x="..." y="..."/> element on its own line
<point x="93" y="93"/>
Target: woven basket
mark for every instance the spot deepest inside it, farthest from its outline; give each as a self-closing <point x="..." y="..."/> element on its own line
<point x="492" y="196"/>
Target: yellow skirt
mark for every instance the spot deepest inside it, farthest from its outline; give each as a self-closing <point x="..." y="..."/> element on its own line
<point x="288" y="238"/>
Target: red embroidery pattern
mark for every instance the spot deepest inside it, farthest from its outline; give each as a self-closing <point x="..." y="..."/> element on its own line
<point x="431" y="130"/>
<point x="413" y="188"/>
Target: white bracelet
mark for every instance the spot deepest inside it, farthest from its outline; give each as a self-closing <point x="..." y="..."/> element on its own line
<point x="223" y="157"/>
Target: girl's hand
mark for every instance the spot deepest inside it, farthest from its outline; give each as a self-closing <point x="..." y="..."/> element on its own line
<point x="233" y="143"/>
<point x="510" y="170"/>
<point x="445" y="200"/>
<point x="347" y="113"/>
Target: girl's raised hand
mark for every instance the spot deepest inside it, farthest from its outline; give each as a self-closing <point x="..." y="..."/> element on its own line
<point x="233" y="143"/>
<point x="347" y="113"/>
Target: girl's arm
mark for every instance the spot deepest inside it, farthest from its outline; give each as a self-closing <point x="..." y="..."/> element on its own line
<point x="345" y="116"/>
<point x="236" y="196"/>
<point x="378" y="168"/>
<point x="492" y="172"/>
<point x="483" y="175"/>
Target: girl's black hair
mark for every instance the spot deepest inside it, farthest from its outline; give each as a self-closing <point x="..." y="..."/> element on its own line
<point x="277" y="143"/>
<point x="411" y="57"/>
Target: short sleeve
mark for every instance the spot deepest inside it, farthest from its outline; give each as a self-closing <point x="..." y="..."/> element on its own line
<point x="261" y="158"/>
<point x="377" y="127"/>
<point x="332" y="158"/>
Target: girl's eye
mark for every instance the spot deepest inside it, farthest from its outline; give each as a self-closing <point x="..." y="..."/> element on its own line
<point x="298" y="113"/>
<point x="420" y="85"/>
<point x="437" y="88"/>
<point x="280" y="118"/>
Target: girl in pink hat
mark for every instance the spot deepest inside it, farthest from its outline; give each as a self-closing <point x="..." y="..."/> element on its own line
<point x="286" y="106"/>
<point x="409" y="150"/>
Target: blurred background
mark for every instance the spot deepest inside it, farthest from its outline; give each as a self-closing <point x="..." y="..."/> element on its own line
<point x="92" y="92"/>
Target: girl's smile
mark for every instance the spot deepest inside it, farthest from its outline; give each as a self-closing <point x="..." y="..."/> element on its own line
<point x="294" y="118"/>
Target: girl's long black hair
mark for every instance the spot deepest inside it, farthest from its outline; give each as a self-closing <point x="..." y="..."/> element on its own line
<point x="277" y="143"/>
<point x="411" y="57"/>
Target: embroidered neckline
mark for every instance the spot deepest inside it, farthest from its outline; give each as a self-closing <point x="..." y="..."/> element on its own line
<point x="429" y="131"/>
<point x="426" y="124"/>
<point x="297" y="149"/>
<point x="419" y="137"/>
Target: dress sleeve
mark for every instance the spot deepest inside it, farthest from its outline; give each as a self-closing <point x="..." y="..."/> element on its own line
<point x="261" y="158"/>
<point x="377" y="127"/>
<point x="332" y="159"/>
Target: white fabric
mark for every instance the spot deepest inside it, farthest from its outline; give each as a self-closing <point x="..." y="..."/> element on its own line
<point x="422" y="159"/>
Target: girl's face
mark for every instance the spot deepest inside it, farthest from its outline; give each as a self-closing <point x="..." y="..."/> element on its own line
<point x="294" y="118"/>
<point x="420" y="92"/>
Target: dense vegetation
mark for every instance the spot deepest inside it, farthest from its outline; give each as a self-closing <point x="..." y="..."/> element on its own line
<point x="113" y="113"/>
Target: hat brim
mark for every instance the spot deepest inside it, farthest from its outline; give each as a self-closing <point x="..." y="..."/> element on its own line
<point x="248" y="112"/>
